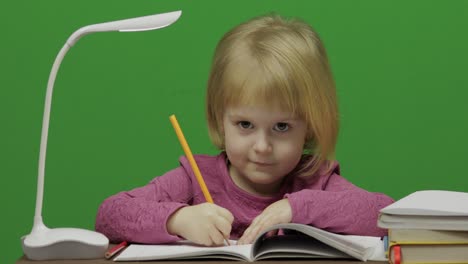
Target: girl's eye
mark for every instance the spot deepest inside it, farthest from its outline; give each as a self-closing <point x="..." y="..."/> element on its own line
<point x="281" y="127"/>
<point x="245" y="124"/>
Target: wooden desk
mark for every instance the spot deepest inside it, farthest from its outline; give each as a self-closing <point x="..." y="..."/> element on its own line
<point x="24" y="260"/>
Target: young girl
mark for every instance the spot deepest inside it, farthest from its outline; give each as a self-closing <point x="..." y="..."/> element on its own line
<point x="272" y="110"/>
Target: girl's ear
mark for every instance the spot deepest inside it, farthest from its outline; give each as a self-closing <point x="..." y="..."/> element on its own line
<point x="222" y="136"/>
<point x="223" y="133"/>
<point x="221" y="127"/>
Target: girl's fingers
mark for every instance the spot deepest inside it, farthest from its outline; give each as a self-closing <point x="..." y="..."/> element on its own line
<point x="271" y="233"/>
<point x="250" y="233"/>
<point x="223" y="226"/>
<point x="244" y="237"/>
<point x="258" y="225"/>
<point x="216" y="237"/>
<point x="273" y="214"/>
<point x="226" y="214"/>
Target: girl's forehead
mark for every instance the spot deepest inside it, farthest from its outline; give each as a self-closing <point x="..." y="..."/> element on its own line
<point x="258" y="110"/>
<point x="246" y="103"/>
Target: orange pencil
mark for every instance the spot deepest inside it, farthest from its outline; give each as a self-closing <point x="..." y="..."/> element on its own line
<point x="191" y="160"/>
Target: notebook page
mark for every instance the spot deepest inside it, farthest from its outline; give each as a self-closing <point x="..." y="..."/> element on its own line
<point x="182" y="251"/>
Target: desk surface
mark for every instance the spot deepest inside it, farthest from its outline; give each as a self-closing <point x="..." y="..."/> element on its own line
<point x="24" y="260"/>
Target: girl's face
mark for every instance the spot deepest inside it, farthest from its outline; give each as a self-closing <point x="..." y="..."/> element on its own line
<point x="263" y="145"/>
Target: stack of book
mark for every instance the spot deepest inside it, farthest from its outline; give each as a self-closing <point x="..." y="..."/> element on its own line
<point x="427" y="227"/>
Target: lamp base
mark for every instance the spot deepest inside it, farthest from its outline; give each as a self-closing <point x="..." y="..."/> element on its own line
<point x="64" y="243"/>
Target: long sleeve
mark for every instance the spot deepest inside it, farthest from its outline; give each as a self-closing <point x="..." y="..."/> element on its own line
<point x="140" y="215"/>
<point x="338" y="206"/>
<point x="329" y="202"/>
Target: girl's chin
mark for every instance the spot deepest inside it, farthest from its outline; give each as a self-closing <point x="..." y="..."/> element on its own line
<point x="262" y="179"/>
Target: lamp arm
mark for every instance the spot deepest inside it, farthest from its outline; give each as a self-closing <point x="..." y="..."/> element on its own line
<point x="45" y="243"/>
<point x="132" y="24"/>
<point x="44" y="136"/>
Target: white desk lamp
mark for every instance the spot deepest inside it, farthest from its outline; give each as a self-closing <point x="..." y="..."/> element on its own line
<point x="73" y="243"/>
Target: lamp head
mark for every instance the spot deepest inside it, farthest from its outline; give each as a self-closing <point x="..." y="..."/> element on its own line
<point x="127" y="25"/>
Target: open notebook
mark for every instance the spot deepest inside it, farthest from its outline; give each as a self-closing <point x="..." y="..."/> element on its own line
<point x="295" y="241"/>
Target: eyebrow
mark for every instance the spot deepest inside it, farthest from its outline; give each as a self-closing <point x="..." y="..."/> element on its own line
<point x="282" y="120"/>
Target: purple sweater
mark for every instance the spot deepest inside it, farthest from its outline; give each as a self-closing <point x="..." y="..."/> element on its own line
<point x="326" y="200"/>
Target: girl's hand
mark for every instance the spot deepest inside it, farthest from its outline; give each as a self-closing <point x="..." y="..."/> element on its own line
<point x="205" y="224"/>
<point x="276" y="213"/>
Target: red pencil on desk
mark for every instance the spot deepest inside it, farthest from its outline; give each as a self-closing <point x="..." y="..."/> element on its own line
<point x="111" y="252"/>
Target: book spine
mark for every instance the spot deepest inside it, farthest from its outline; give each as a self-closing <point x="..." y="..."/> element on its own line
<point x="393" y="242"/>
<point x="395" y="254"/>
<point x="385" y="242"/>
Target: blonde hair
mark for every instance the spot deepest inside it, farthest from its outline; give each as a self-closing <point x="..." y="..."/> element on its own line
<point x="268" y="61"/>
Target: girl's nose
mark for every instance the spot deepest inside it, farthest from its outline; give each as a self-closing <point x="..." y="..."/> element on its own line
<point x="263" y="144"/>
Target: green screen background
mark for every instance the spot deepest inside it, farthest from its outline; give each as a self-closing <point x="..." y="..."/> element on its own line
<point x="400" y="69"/>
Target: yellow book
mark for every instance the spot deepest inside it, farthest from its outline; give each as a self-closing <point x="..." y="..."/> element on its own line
<point x="420" y="252"/>
<point x="426" y="235"/>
